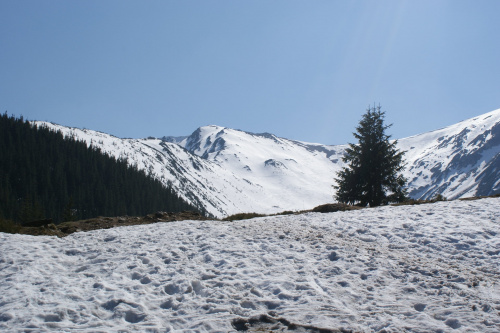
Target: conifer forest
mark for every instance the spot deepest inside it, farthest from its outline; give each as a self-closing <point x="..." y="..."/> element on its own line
<point x="44" y="175"/>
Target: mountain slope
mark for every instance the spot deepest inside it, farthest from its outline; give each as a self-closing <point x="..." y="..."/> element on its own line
<point x="229" y="171"/>
<point x="196" y="180"/>
<point x="457" y="161"/>
<point x="290" y="175"/>
<point x="221" y="181"/>
<point x="46" y="176"/>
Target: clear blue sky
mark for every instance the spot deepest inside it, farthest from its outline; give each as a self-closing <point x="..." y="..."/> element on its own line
<point x="304" y="70"/>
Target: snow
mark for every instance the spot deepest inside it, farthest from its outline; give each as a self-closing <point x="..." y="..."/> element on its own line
<point x="432" y="157"/>
<point x="231" y="180"/>
<point x="424" y="268"/>
<point x="229" y="171"/>
<point x="276" y="170"/>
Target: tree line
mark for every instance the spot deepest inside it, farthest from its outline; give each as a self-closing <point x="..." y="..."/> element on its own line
<point x="46" y="175"/>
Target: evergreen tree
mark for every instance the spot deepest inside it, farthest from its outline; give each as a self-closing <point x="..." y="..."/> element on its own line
<point x="373" y="175"/>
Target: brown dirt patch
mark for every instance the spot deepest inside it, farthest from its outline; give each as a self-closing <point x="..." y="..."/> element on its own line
<point x="67" y="228"/>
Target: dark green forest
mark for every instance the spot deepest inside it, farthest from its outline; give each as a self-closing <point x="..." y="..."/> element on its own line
<point x="44" y="175"/>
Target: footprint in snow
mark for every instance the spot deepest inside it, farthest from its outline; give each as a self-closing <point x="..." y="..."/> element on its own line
<point x="172" y="289"/>
<point x="145" y="280"/>
<point x="453" y="323"/>
<point x="134" y="317"/>
<point x="420" y="307"/>
<point x="169" y="304"/>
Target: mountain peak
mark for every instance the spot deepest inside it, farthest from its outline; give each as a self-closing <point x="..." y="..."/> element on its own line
<point x="228" y="171"/>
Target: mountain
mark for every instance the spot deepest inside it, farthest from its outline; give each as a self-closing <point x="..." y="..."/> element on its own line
<point x="45" y="176"/>
<point x="457" y="161"/>
<point x="228" y="171"/>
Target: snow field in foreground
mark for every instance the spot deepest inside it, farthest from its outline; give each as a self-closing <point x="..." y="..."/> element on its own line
<point x="426" y="268"/>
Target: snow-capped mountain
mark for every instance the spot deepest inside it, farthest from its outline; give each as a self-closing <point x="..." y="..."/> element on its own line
<point x="457" y="161"/>
<point x="229" y="171"/>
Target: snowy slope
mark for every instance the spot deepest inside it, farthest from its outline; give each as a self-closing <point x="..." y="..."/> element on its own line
<point x="229" y="171"/>
<point x="427" y="268"/>
<point x="457" y="161"/>
<point x="270" y="174"/>
<point x="461" y="160"/>
<point x="291" y="175"/>
<point x="203" y="183"/>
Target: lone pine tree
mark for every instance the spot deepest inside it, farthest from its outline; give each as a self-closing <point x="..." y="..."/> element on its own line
<point x="373" y="174"/>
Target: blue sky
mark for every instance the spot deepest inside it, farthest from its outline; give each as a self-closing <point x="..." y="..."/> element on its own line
<point x="304" y="70"/>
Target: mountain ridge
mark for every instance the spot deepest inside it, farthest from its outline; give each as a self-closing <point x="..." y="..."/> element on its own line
<point x="228" y="171"/>
<point x="456" y="154"/>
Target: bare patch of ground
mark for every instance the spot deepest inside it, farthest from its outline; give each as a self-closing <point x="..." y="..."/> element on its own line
<point x="45" y="227"/>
